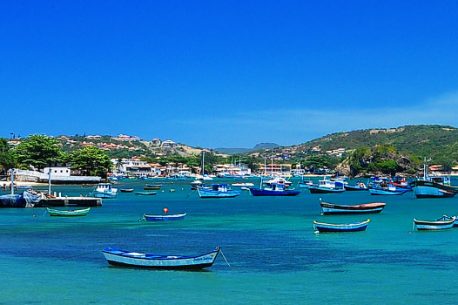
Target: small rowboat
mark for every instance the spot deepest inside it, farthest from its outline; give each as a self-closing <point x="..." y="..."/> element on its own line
<point x="152" y="187"/>
<point x="442" y="223"/>
<point x="344" y="227"/>
<point x="157" y="261"/>
<point x="372" y="207"/>
<point x="164" y="217"/>
<point x="387" y="191"/>
<point x="68" y="213"/>
<point x="145" y="193"/>
<point x="126" y="190"/>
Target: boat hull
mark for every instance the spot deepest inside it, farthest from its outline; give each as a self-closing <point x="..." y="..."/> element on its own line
<point x="263" y="192"/>
<point x="428" y="189"/>
<point x="423" y="225"/>
<point x="68" y="213"/>
<point x="387" y="192"/>
<point x="157" y="218"/>
<point x="176" y="262"/>
<point x="323" y="190"/>
<point x="366" y="208"/>
<point x="217" y="194"/>
<point x="12" y="201"/>
<point x="322" y="227"/>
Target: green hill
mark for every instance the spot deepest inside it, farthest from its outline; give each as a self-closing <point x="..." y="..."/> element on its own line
<point x="440" y="143"/>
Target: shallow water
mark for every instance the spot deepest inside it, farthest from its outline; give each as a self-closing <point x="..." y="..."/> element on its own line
<point x="274" y="255"/>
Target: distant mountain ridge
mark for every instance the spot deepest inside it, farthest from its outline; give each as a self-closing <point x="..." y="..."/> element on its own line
<point x="235" y="150"/>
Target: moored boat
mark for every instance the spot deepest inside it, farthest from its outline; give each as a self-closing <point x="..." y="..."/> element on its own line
<point x="327" y="186"/>
<point x="358" y="187"/>
<point x="68" y="213"/>
<point x="388" y="190"/>
<point x="343" y="227"/>
<point x="433" y="189"/>
<point x="120" y="257"/>
<point x="105" y="190"/>
<point x="217" y="191"/>
<point x="152" y="187"/>
<point x="442" y="223"/>
<point x="126" y="190"/>
<point x="164" y="217"/>
<point x="147" y="193"/>
<point x="364" y="208"/>
<point x="274" y="190"/>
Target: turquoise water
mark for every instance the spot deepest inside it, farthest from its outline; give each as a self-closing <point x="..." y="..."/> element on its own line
<point x="274" y="255"/>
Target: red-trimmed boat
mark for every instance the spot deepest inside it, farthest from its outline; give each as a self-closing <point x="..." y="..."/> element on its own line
<point x="364" y="208"/>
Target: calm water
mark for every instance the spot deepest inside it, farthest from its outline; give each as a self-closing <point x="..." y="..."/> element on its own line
<point x="274" y="255"/>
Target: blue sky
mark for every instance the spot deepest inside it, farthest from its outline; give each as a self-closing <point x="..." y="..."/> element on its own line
<point x="226" y="73"/>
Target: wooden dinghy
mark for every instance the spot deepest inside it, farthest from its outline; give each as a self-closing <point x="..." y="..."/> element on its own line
<point x="120" y="257"/>
<point x="442" y="223"/>
<point x="68" y="213"/>
<point x="146" y="193"/>
<point x="364" y="208"/>
<point x="321" y="227"/>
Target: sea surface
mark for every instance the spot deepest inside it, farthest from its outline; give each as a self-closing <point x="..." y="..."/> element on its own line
<point x="273" y="253"/>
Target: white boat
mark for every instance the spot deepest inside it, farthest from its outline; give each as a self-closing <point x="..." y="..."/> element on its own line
<point x="243" y="184"/>
<point x="105" y="190"/>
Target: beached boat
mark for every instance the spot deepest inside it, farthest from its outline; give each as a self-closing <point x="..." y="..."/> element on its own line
<point x="364" y="208"/>
<point x="442" y="223"/>
<point x="164" y="217"/>
<point x="151" y="187"/>
<point x="274" y="190"/>
<point x="68" y="213"/>
<point x="120" y="257"/>
<point x="126" y="190"/>
<point x="146" y="193"/>
<point x="344" y="227"/>
<point x="327" y="186"/>
<point x="217" y="191"/>
<point x="105" y="190"/>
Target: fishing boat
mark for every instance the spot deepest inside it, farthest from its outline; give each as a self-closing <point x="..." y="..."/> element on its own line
<point x="433" y="186"/>
<point x="150" y="187"/>
<point x="364" y="208"/>
<point x="164" y="217"/>
<point x="68" y="213"/>
<point x="386" y="190"/>
<point x="125" y="258"/>
<point x="243" y="184"/>
<point x="146" y="193"/>
<point x="126" y="190"/>
<point x="327" y="186"/>
<point x="358" y="187"/>
<point x="344" y="227"/>
<point x="217" y="191"/>
<point x="442" y="223"/>
<point x="105" y="190"/>
<point x="274" y="190"/>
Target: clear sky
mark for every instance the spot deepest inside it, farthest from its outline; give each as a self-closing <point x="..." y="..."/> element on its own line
<point x="226" y="73"/>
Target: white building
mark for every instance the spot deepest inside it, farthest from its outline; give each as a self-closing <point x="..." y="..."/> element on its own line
<point x="135" y="167"/>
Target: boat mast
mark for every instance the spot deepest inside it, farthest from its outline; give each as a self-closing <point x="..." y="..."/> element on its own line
<point x="203" y="162"/>
<point x="49" y="180"/>
<point x="12" y="181"/>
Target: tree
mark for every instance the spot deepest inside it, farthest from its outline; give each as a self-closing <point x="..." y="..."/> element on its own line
<point x="39" y="151"/>
<point x="6" y="156"/>
<point x="91" y="161"/>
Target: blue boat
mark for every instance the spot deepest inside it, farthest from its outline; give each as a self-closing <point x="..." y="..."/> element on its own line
<point x="125" y="258"/>
<point x="274" y="190"/>
<point x="27" y="199"/>
<point x="105" y="190"/>
<point x="327" y="186"/>
<point x="217" y="191"/>
<point x="170" y="217"/>
<point x="358" y="187"/>
<point x="433" y="186"/>
<point x="442" y="223"/>
<point x="388" y="190"/>
<point x="321" y="227"/>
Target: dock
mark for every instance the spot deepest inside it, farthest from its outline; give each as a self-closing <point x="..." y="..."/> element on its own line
<point x="70" y="201"/>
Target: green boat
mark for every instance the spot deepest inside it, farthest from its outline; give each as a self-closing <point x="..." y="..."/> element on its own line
<point x="68" y="213"/>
